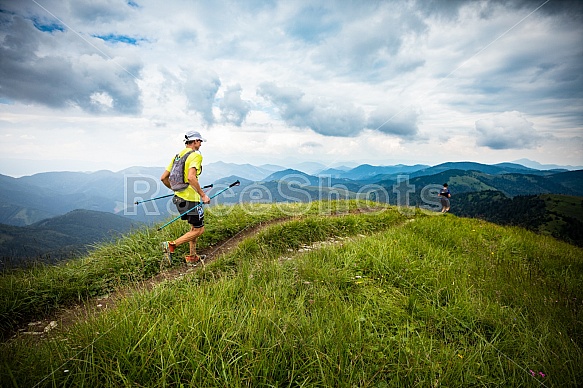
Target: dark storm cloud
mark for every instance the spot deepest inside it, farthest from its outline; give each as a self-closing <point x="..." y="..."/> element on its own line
<point x="326" y="118"/>
<point x="449" y="9"/>
<point x="57" y="80"/>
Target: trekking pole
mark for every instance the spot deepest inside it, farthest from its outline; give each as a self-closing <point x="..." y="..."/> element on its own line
<point x="166" y="196"/>
<point x="236" y="183"/>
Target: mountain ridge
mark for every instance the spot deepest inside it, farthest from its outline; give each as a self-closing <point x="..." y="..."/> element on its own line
<point x="30" y="199"/>
<point x="49" y="203"/>
<point x="59" y="237"/>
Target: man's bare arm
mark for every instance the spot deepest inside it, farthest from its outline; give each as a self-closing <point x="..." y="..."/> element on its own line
<point x="165" y="178"/>
<point x="193" y="181"/>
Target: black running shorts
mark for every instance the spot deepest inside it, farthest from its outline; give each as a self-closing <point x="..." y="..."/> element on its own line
<point x="194" y="217"/>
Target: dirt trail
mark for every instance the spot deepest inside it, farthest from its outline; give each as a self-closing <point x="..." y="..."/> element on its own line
<point x="65" y="317"/>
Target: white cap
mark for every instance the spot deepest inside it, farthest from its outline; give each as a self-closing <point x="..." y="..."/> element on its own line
<point x="193" y="135"/>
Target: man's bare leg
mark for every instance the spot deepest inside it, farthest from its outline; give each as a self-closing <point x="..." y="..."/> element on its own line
<point x="190" y="236"/>
<point x="193" y="247"/>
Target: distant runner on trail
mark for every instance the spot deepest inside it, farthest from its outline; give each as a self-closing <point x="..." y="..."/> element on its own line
<point x="189" y="197"/>
<point x="444" y="196"/>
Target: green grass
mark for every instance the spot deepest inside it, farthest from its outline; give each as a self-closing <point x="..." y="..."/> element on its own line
<point x="390" y="300"/>
<point x="39" y="290"/>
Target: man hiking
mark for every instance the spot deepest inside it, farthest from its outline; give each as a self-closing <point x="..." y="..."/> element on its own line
<point x="188" y="197"/>
<point x="444" y="196"/>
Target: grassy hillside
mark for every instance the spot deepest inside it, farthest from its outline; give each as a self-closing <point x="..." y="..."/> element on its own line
<point x="328" y="298"/>
<point x="560" y="216"/>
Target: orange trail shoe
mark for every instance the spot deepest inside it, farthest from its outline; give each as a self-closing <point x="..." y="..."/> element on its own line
<point x="193" y="260"/>
<point x="168" y="249"/>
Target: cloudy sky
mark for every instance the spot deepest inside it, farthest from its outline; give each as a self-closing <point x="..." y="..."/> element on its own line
<point x="109" y="84"/>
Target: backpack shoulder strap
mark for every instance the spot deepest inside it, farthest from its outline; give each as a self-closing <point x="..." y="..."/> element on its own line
<point x="186" y="156"/>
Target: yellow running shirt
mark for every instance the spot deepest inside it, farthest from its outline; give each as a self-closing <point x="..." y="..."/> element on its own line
<point x="194" y="160"/>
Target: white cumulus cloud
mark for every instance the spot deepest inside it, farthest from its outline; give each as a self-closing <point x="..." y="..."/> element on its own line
<point x="505" y="131"/>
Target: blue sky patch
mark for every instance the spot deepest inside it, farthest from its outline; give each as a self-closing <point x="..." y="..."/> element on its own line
<point x="118" y="39"/>
<point x="47" y="27"/>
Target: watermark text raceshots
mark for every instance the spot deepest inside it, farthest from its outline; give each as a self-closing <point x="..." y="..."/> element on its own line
<point x="292" y="188"/>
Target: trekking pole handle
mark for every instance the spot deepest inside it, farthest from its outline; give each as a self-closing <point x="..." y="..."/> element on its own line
<point x="236" y="183"/>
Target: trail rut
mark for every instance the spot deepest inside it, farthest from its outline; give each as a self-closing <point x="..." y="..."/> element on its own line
<point x="59" y="321"/>
<point x="45" y="327"/>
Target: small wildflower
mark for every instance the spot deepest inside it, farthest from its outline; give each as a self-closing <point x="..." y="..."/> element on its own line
<point x="532" y="373"/>
<point x="460" y="356"/>
<point x="542" y="374"/>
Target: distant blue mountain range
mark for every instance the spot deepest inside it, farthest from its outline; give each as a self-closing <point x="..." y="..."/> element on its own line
<point x="47" y="205"/>
<point x="30" y="199"/>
